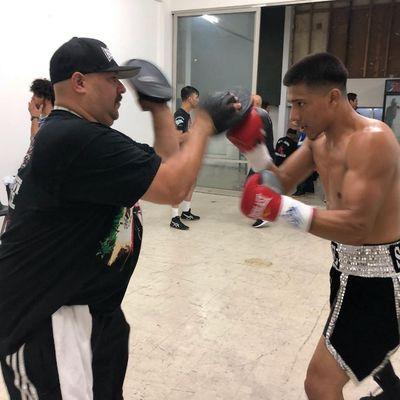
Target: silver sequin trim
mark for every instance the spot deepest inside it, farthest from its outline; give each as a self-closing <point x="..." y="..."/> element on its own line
<point x="331" y="326"/>
<point x="365" y="261"/>
<point x="337" y="306"/>
<point x="340" y="361"/>
<point x="396" y="286"/>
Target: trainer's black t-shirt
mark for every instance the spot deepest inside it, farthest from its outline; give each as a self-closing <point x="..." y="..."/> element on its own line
<point x="75" y="227"/>
<point x="182" y="120"/>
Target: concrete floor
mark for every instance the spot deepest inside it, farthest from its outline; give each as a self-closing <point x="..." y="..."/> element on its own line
<point x="225" y="311"/>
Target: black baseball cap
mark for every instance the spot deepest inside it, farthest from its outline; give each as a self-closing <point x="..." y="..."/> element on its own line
<point x="85" y="55"/>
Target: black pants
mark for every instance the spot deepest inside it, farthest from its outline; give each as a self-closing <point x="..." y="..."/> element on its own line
<point x="73" y="355"/>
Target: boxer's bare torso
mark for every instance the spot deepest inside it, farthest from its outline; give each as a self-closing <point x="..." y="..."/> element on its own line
<point x="341" y="161"/>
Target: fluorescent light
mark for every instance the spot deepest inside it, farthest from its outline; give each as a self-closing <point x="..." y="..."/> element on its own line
<point x="210" y="18"/>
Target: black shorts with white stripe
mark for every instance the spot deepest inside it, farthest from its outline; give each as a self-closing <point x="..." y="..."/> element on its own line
<point x="72" y="355"/>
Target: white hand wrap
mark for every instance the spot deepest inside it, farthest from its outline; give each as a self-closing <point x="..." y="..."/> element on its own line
<point x="259" y="157"/>
<point x="296" y="213"/>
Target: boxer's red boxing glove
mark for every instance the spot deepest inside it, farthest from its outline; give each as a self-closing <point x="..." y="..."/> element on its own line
<point x="249" y="137"/>
<point x="259" y="201"/>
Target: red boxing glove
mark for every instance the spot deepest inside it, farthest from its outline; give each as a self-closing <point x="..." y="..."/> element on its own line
<point x="261" y="202"/>
<point x="248" y="137"/>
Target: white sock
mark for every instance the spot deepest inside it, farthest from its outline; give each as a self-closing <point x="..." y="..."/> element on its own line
<point x="174" y="212"/>
<point x="186" y="205"/>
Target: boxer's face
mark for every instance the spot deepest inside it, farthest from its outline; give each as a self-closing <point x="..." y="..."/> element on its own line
<point x="311" y="109"/>
<point x="104" y="94"/>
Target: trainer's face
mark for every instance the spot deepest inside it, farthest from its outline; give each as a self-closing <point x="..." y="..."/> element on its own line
<point x="311" y="109"/>
<point x="104" y="94"/>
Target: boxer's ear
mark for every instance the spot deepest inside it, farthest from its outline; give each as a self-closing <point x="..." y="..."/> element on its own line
<point x="335" y="95"/>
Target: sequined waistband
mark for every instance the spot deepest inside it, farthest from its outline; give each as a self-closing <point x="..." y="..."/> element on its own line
<point x="369" y="261"/>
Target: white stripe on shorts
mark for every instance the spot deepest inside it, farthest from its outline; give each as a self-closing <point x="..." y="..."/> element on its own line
<point x="16" y="362"/>
<point x="72" y="330"/>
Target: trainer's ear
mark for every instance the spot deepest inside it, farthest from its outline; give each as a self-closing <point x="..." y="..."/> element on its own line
<point x="78" y="82"/>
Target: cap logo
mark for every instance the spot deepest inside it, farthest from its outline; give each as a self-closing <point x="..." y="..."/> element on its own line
<point x="107" y="53"/>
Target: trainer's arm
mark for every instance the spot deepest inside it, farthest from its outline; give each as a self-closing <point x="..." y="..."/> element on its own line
<point x="365" y="186"/>
<point x="166" y="142"/>
<point x="177" y="174"/>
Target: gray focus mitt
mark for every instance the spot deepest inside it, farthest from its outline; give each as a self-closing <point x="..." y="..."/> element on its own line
<point x="220" y="107"/>
<point x="150" y="83"/>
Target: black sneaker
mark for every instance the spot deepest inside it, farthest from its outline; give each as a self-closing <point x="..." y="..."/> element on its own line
<point x="177" y="224"/>
<point x="260" y="223"/>
<point x="391" y="393"/>
<point x="299" y="193"/>
<point x="189" y="216"/>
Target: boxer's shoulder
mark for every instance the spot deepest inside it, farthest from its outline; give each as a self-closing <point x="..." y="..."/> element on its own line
<point x="372" y="141"/>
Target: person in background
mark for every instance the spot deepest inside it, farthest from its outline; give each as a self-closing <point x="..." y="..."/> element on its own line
<point x="190" y="100"/>
<point x="41" y="103"/>
<point x="285" y="146"/>
<point x="353" y="100"/>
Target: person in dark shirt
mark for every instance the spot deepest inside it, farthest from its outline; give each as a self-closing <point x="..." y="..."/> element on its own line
<point x="190" y="100"/>
<point x="285" y="146"/>
<point x="75" y="228"/>
<point x="353" y="100"/>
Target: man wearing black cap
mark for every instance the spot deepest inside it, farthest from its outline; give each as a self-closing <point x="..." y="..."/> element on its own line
<point x="74" y="232"/>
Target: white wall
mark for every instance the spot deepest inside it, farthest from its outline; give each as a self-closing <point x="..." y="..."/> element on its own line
<point x="31" y="32"/>
<point x="186" y="5"/>
<point x="370" y="91"/>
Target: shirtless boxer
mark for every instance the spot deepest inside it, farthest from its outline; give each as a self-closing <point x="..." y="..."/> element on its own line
<point x="362" y="220"/>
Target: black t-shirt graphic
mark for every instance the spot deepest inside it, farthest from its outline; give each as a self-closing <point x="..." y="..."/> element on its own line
<point x="75" y="227"/>
<point x="182" y="120"/>
<point x="285" y="146"/>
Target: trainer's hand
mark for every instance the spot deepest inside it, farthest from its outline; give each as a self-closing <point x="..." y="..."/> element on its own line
<point x="249" y="137"/>
<point x="260" y="201"/>
<point x="149" y="83"/>
<point x="148" y="105"/>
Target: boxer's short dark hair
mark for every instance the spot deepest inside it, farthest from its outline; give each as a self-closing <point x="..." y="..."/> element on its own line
<point x="321" y="69"/>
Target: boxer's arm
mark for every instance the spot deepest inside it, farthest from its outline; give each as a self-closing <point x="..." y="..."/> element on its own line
<point x="371" y="163"/>
<point x="296" y="168"/>
<point x="178" y="173"/>
<point x="249" y="137"/>
<point x="368" y="177"/>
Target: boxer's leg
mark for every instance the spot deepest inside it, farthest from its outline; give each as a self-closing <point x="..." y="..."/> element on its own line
<point x="389" y="382"/>
<point x="325" y="379"/>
